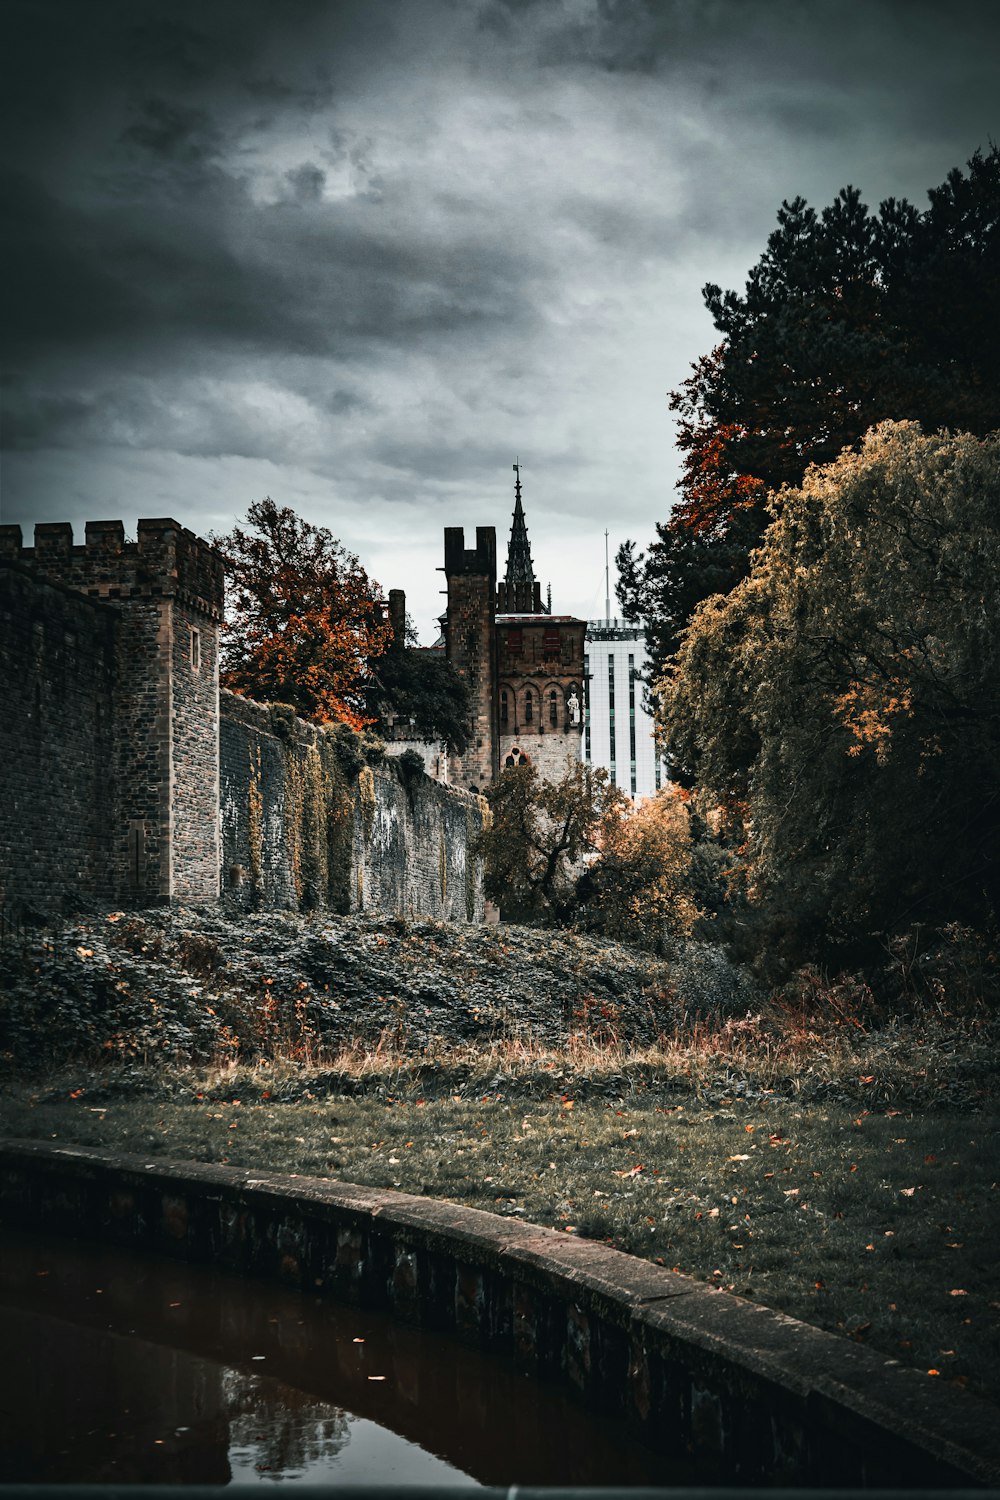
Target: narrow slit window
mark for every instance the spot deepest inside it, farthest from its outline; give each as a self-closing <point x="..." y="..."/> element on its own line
<point x="195" y="650"/>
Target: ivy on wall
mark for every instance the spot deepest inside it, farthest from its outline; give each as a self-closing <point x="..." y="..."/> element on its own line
<point x="304" y="806"/>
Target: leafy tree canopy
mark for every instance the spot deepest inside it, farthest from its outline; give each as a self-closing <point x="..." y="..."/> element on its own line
<point x="540" y="833"/>
<point x="846" y="695"/>
<point x="640" y="887"/>
<point x="848" y="319"/>
<point x="422" y="686"/>
<point x="304" y="621"/>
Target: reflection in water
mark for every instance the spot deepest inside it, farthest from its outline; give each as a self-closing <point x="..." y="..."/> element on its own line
<point x="119" y="1368"/>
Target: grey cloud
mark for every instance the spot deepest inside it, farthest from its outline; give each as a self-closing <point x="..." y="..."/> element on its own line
<point x="174" y="131"/>
<point x="306" y="182"/>
<point x="384" y="243"/>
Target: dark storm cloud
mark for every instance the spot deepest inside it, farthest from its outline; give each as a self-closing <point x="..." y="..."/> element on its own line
<point x="371" y="247"/>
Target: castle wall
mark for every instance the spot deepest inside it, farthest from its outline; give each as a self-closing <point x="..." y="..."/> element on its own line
<point x="194" y="729"/>
<point x="307" y="823"/>
<point x="550" y="754"/>
<point x="126" y="780"/>
<point x="141" y="758"/>
<point x="56" y="692"/>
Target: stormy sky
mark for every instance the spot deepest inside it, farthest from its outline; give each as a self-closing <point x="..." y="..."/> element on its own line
<point x="360" y="256"/>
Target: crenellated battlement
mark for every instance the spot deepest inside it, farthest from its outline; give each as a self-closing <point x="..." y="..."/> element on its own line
<point x="481" y="559"/>
<point x="166" y="561"/>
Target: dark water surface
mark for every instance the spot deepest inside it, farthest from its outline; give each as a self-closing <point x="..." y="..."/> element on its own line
<point x="117" y="1367"/>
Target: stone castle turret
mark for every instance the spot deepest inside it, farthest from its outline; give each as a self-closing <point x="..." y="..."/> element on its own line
<point x="109" y="653"/>
<point x="470" y="643"/>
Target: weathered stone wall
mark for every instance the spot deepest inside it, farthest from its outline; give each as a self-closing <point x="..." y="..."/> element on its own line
<point x="550" y="754"/>
<point x="114" y="755"/>
<point x="308" y="822"/>
<point x="56" y="692"/>
<point x="194" y="733"/>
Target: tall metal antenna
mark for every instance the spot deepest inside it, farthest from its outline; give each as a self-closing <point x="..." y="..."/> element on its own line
<point x="607" y="584"/>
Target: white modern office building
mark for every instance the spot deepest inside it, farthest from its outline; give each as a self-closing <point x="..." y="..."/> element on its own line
<point x="617" y="730"/>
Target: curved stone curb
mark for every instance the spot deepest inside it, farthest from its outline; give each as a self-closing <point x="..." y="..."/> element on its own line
<point x="758" y="1396"/>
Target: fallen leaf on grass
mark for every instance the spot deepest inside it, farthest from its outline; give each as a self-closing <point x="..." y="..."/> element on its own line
<point x="958" y="1291"/>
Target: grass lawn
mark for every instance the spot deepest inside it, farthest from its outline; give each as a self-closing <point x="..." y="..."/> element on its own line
<point x="873" y="1217"/>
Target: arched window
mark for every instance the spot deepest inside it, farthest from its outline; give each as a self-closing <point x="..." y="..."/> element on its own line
<point x="553" y="708"/>
<point x="529" y="706"/>
<point x="503" y="706"/>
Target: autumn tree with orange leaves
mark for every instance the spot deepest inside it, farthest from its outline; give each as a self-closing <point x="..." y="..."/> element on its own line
<point x="304" y="620"/>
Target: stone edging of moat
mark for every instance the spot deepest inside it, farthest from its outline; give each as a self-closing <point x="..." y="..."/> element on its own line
<point x="758" y="1396"/>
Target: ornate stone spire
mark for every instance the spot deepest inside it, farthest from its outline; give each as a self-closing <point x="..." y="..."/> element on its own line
<point x="519" y="565"/>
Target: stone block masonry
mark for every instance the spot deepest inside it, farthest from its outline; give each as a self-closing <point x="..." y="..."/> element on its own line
<point x="471" y="647"/>
<point x="308" y="822"/>
<point x="160" y="602"/>
<point x="122" y="782"/>
<point x="57" y="679"/>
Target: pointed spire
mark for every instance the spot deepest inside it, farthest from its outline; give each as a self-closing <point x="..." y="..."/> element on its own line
<point x="519" y="564"/>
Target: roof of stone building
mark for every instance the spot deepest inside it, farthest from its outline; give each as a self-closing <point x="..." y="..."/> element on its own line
<point x="507" y="619"/>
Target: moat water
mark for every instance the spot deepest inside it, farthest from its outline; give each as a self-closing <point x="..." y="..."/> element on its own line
<point x="121" y="1368"/>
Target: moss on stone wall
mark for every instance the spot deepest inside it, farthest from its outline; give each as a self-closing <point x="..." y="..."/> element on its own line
<point x="338" y="808"/>
<point x="318" y="828"/>
<point x="321" y="769"/>
<point x="366" y="793"/>
<point x="255" y="826"/>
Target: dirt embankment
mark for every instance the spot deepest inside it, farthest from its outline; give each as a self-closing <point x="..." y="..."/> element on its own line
<point x="193" y="985"/>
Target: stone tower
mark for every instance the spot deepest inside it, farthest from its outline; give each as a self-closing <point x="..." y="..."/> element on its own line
<point x="540" y="672"/>
<point x="470" y="643"/>
<point x="121" y="675"/>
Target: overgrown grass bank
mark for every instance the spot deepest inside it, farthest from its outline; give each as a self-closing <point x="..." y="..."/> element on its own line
<point x="822" y="1151"/>
<point x="875" y="1221"/>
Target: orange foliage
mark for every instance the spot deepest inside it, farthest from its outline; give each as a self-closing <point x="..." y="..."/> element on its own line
<point x="305" y="620"/>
